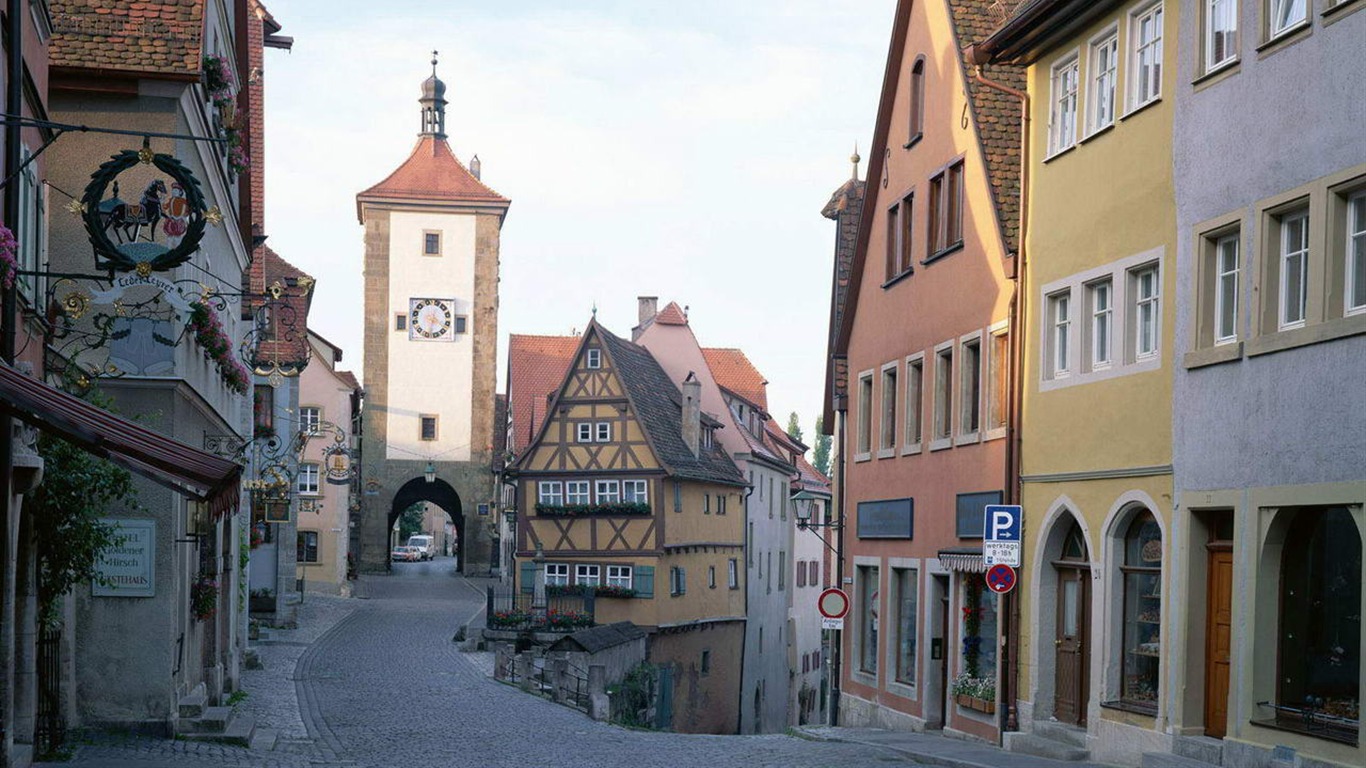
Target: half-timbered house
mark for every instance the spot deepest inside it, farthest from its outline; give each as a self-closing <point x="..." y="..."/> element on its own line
<point x="626" y="492"/>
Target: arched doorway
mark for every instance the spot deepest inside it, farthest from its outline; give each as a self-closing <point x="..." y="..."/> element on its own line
<point x="1071" y="648"/>
<point x="440" y="493"/>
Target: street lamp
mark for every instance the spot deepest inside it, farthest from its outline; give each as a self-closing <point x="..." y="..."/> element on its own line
<point x="805" y="500"/>
<point x="429" y="474"/>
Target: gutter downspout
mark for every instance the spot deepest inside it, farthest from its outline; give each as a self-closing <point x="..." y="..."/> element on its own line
<point x="14" y="105"/>
<point x="1014" y="410"/>
<point x="744" y="639"/>
<point x="837" y="652"/>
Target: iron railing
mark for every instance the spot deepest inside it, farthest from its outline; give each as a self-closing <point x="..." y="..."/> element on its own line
<point x="50" y="732"/>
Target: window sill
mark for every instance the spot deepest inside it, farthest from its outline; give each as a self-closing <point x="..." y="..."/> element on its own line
<point x="1098" y="132"/>
<point x="1312" y="334"/>
<point x="1222" y="353"/>
<point x="1285" y="38"/>
<point x="967" y="438"/>
<point x="1289" y="727"/>
<point x="958" y="246"/>
<point x="1055" y="155"/>
<point x="994" y="434"/>
<point x="1218" y="73"/>
<point x="861" y="457"/>
<point x="1145" y="105"/>
<point x="911" y="450"/>
<point x="941" y="444"/>
<point x="886" y="453"/>
<point x="1131" y="706"/>
<point x="914" y="140"/>
<point x="893" y="281"/>
<point x="1341" y="10"/>
<point x="903" y="689"/>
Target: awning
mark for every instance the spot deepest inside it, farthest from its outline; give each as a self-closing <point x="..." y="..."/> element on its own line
<point x="962" y="560"/>
<point x="197" y="474"/>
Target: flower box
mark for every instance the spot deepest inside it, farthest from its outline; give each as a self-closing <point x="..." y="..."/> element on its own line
<point x="980" y="705"/>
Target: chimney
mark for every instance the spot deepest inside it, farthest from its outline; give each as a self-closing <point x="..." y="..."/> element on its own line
<point x="649" y="307"/>
<point x="692" y="412"/>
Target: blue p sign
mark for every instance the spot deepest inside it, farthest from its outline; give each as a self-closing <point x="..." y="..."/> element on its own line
<point x="1002" y="522"/>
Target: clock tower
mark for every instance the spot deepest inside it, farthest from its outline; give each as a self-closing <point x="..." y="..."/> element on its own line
<point x="431" y="328"/>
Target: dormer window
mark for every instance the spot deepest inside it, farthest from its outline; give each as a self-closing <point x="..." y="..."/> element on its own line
<point x="594" y="358"/>
<point x="707" y="437"/>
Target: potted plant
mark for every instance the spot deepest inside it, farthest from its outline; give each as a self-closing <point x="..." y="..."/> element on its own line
<point x="977" y="693"/>
<point x="203" y="598"/>
<point x="262" y="600"/>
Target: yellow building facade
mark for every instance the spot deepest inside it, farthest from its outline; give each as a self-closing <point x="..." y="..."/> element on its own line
<point x="1096" y="418"/>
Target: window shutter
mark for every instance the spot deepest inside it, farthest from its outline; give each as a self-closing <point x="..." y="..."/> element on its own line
<point x="528" y="578"/>
<point x="643" y="580"/>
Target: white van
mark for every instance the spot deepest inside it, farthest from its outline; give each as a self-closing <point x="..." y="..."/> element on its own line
<point x="424" y="545"/>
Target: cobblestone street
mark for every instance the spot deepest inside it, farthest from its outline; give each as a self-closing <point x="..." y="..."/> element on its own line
<point x="377" y="681"/>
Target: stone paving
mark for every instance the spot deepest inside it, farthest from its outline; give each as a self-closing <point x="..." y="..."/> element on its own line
<point x="377" y="681"/>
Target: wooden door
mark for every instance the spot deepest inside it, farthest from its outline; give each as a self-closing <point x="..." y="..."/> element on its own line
<point x="941" y="584"/>
<point x="1070" y="696"/>
<point x="1218" y="639"/>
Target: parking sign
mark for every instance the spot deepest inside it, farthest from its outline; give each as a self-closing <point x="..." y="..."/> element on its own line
<point x="1001" y="535"/>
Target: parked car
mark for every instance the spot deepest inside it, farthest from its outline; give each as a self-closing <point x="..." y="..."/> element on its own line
<point x="405" y="554"/>
<point x="424" y="545"/>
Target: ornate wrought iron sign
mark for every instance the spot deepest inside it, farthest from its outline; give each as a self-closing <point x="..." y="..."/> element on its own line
<point x="125" y="234"/>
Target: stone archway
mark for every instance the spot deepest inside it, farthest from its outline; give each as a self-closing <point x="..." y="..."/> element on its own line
<point x="437" y="492"/>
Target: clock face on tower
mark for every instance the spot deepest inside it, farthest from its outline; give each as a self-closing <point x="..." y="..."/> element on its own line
<point x="431" y="319"/>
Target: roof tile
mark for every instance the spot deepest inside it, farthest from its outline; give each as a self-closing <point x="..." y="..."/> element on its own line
<point x="432" y="172"/>
<point x="536" y="368"/>
<point x="111" y="34"/>
<point x="733" y="371"/>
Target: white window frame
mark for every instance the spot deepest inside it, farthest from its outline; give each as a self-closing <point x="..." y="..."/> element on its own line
<point x="1147" y="311"/>
<point x="887" y="421"/>
<point x="1101" y="328"/>
<point x="966" y="432"/>
<point x="1064" y="98"/>
<point x="733" y="573"/>
<point x="310" y="419"/>
<point x="913" y="420"/>
<point x="997" y="375"/>
<point x="1103" y="85"/>
<point x="436" y="427"/>
<point x="607" y="491"/>
<point x="1354" y="252"/>
<point x="1230" y="278"/>
<point x="863" y="416"/>
<point x="1215" y="11"/>
<point x="1284" y="257"/>
<point x="557" y="574"/>
<point x="593" y="358"/>
<point x="619" y="576"/>
<point x="1059" y="328"/>
<point x="636" y="491"/>
<point x="578" y="492"/>
<point x="310" y="474"/>
<point x="587" y="575"/>
<point x="1139" y="81"/>
<point x="1276" y="9"/>
<point x="942" y="409"/>
<point x="583" y="432"/>
<point x="550" y="493"/>
<point x="602" y="432"/>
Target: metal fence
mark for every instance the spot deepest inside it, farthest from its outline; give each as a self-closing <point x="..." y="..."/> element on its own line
<point x="50" y="732"/>
<point x="513" y="610"/>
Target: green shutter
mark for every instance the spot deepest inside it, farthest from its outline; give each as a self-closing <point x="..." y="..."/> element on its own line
<point x="528" y="577"/>
<point x="643" y="580"/>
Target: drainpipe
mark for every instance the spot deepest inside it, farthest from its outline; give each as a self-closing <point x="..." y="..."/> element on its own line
<point x="1014" y="408"/>
<point x="14" y="105"/>
<point x="837" y="650"/>
<point x="744" y="641"/>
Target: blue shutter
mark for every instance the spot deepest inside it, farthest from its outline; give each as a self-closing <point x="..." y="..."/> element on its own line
<point x="528" y="577"/>
<point x="643" y="580"/>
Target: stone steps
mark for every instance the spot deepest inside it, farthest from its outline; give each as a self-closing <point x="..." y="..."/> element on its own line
<point x="239" y="731"/>
<point x="1040" y="746"/>
<point x="1169" y="760"/>
<point x="1202" y="748"/>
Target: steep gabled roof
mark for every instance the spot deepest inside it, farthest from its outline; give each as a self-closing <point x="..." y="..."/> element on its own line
<point x="290" y="312"/>
<point x="659" y="410"/>
<point x="432" y="173"/>
<point x="672" y="314"/>
<point x="808" y="477"/>
<point x="161" y="38"/>
<point x="996" y="120"/>
<point x="734" y="371"/>
<point x="536" y="367"/>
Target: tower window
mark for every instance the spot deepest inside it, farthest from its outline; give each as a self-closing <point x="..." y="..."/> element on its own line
<point x="460" y="324"/>
<point x="594" y="358"/>
<point x="400" y="322"/>
<point x="428" y="428"/>
<point x="431" y="243"/>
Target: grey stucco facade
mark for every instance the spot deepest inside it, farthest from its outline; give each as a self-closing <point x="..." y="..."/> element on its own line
<point x="1268" y="423"/>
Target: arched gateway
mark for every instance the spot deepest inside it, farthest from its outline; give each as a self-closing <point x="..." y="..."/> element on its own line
<point x="431" y="330"/>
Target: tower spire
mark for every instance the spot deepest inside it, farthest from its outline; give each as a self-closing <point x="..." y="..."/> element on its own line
<point x="433" y="103"/>
<point x="854" y="159"/>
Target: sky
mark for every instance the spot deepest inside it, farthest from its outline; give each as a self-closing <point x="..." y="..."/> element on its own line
<point x="674" y="149"/>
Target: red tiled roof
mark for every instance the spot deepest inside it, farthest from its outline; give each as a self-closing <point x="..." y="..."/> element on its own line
<point x="733" y="371"/>
<point x="349" y="379"/>
<point x="163" y="37"/>
<point x="432" y="172"/>
<point x="809" y="478"/>
<point x="536" y="368"/>
<point x="671" y="315"/>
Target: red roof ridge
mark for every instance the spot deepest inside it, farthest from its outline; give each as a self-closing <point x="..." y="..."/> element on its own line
<point x="672" y="314"/>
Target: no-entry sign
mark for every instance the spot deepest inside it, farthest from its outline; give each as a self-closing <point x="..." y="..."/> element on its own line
<point x="833" y="604"/>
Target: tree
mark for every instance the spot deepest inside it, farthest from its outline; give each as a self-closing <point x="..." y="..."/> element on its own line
<point x="410" y="522"/>
<point x="77" y="490"/>
<point x="821" y="457"/>
<point x="794" y="430"/>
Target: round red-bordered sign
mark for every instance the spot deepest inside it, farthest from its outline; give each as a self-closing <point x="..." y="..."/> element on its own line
<point x="833" y="603"/>
<point x="1001" y="578"/>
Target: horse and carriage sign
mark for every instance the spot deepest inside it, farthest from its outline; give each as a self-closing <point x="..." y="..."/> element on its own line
<point x="125" y="234"/>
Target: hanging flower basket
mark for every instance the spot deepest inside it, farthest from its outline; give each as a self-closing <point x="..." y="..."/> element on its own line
<point x="213" y="340"/>
<point x="203" y="598"/>
<point x="9" y="265"/>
